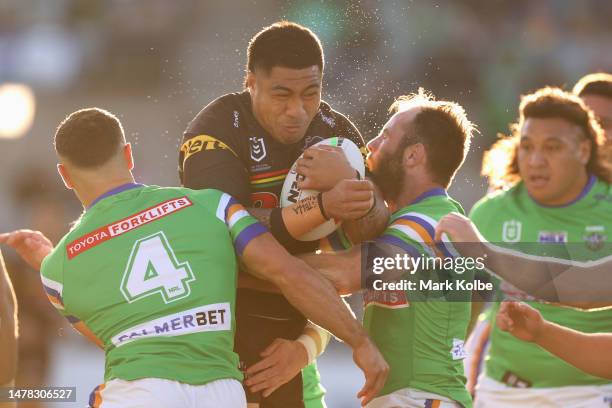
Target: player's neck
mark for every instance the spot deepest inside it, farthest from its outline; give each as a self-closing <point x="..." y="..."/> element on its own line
<point x="90" y="194"/>
<point x="410" y="192"/>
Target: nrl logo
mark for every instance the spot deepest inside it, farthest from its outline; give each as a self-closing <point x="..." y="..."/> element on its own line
<point x="594" y="237"/>
<point x="511" y="231"/>
<point x="258" y="148"/>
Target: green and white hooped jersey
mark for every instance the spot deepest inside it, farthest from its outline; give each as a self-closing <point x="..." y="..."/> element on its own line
<point x="421" y="340"/>
<point x="579" y="229"/>
<point x="150" y="273"/>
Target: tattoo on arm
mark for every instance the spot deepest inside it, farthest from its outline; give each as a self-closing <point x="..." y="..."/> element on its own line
<point x="305" y="205"/>
<point x="371" y="225"/>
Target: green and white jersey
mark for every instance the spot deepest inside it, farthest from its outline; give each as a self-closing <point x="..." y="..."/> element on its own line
<point x="578" y="230"/>
<point x="422" y="341"/>
<point x="150" y="274"/>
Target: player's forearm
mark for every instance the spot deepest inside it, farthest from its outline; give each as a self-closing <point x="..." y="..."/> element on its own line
<point x="315" y="296"/>
<point x="587" y="282"/>
<point x="298" y="218"/>
<point x="578" y="284"/>
<point x="342" y="269"/>
<point x="303" y="287"/>
<point x="522" y="272"/>
<point x="588" y="352"/>
<point x="372" y="224"/>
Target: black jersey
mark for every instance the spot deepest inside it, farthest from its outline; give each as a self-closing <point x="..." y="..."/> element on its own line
<point x="225" y="148"/>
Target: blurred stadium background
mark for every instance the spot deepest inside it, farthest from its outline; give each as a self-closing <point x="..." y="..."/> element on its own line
<point x="156" y="63"/>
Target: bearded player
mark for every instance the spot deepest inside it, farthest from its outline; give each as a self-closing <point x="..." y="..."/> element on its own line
<point x="558" y="200"/>
<point x="244" y="144"/>
<point x="413" y="161"/>
<point x="149" y="274"/>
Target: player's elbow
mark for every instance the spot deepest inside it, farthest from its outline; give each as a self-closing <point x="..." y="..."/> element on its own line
<point x="342" y="283"/>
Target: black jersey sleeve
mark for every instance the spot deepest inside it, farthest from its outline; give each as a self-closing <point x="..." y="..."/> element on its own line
<point x="346" y="128"/>
<point x="209" y="156"/>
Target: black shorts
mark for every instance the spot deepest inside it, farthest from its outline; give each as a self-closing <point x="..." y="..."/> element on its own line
<point x="260" y="318"/>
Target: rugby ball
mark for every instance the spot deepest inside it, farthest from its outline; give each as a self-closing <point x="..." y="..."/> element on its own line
<point x="291" y="193"/>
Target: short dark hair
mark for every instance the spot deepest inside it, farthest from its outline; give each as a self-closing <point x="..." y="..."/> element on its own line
<point x="89" y="137"/>
<point x="500" y="163"/>
<point x="284" y="44"/>
<point x="444" y="130"/>
<point x="598" y="83"/>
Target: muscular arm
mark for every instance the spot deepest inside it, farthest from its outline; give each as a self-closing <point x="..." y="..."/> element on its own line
<point x="8" y="328"/>
<point x="579" y="284"/>
<point x="590" y="352"/>
<point x="551" y="279"/>
<point x="372" y="224"/>
<point x="342" y="269"/>
<point x="303" y="287"/>
<point x="318" y="300"/>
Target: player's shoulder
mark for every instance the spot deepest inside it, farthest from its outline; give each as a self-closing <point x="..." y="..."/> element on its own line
<point x="208" y="197"/>
<point x="225" y="103"/>
<point x="215" y="201"/>
<point x="220" y="115"/>
<point x="496" y="201"/>
<point x="52" y="267"/>
<point x="337" y="123"/>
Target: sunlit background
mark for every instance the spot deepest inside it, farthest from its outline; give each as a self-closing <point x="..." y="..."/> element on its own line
<point x="156" y="63"/>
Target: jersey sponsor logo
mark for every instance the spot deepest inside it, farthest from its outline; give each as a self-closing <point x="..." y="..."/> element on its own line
<point x="515" y="381"/>
<point x="595" y="237"/>
<point x="264" y="200"/>
<point x="256" y="168"/>
<point x="329" y="121"/>
<point x="458" y="350"/>
<point x="103" y="234"/>
<point x="236" y="119"/>
<point x="389" y="299"/>
<point x="603" y="197"/>
<point x="511" y="231"/>
<point x="294" y="193"/>
<point x="202" y="142"/>
<point x="258" y="148"/>
<point x="206" y="318"/>
<point x="552" y="237"/>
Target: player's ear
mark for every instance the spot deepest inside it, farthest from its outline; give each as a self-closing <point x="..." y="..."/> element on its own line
<point x="414" y="154"/>
<point x="584" y="151"/>
<point x="127" y="154"/>
<point x="250" y="80"/>
<point x="61" y="169"/>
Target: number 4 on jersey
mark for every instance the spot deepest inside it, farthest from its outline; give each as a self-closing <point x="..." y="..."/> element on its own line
<point x="153" y="268"/>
